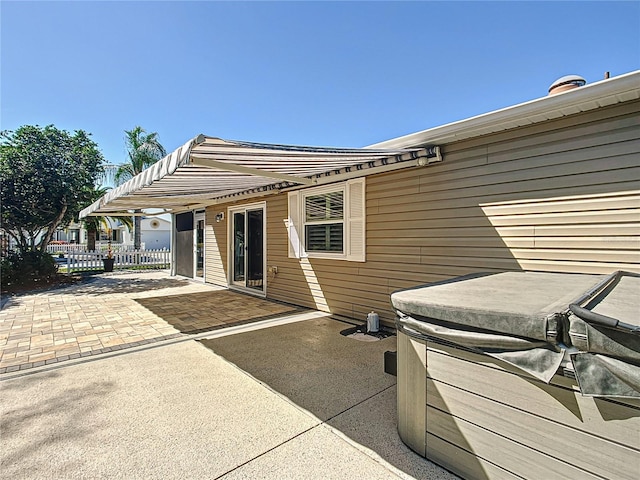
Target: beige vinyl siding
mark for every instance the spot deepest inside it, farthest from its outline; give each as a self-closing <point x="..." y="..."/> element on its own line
<point x="560" y="196"/>
<point x="215" y="256"/>
<point x="596" y="232"/>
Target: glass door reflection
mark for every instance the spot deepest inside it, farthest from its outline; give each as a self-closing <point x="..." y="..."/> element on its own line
<point x="200" y="249"/>
<point x="255" y="246"/>
<point x="246" y="244"/>
<point x="238" y="247"/>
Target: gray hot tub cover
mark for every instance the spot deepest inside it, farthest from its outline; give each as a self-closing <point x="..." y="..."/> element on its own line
<point x="525" y="304"/>
<point x="607" y="334"/>
<point x="524" y="319"/>
<point x="604" y="376"/>
<point x="535" y="357"/>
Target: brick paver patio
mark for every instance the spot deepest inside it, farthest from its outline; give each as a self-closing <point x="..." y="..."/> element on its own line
<point x="116" y="311"/>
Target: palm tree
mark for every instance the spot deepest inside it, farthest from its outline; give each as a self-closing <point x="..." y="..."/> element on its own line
<point x="143" y="150"/>
<point x="95" y="224"/>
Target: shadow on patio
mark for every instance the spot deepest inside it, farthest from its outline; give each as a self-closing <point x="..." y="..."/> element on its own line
<point x="103" y="285"/>
<point x="193" y="313"/>
<point x="338" y="379"/>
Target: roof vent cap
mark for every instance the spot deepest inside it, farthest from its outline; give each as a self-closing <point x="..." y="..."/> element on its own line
<point x="568" y="82"/>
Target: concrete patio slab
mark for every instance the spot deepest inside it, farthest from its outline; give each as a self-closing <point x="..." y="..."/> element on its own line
<point x="373" y="424"/>
<point x="318" y="453"/>
<point x="179" y="410"/>
<point x="336" y="378"/>
<point x="311" y="363"/>
<point x="174" y="412"/>
<point x="244" y="387"/>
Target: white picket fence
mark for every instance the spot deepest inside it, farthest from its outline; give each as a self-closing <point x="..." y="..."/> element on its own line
<point x="85" y="261"/>
<point x="82" y="247"/>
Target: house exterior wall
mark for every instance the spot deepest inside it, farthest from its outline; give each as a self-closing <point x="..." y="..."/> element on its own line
<point x="215" y="255"/>
<point x="559" y="196"/>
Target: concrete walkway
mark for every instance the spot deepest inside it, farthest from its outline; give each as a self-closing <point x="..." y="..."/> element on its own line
<point x="261" y="395"/>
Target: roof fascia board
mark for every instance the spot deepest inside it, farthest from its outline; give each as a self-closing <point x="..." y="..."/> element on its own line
<point x="230" y="167"/>
<point x="482" y="124"/>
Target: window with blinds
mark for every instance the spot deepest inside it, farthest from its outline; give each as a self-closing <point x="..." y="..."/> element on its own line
<point x="324" y="222"/>
<point x="328" y="222"/>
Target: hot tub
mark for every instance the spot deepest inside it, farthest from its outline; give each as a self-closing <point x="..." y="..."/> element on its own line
<point x="522" y="374"/>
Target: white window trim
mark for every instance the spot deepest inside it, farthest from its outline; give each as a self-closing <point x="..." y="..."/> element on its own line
<point x="354" y="216"/>
<point x="341" y="187"/>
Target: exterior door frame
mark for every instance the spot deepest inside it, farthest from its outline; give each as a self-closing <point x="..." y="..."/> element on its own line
<point x="199" y="216"/>
<point x="230" y="247"/>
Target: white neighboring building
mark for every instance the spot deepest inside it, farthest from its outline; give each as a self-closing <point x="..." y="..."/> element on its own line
<point x="155" y="233"/>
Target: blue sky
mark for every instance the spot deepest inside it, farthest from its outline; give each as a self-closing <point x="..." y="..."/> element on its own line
<point x="312" y="73"/>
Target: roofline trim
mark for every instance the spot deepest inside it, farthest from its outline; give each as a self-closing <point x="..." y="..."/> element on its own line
<point x="482" y="124"/>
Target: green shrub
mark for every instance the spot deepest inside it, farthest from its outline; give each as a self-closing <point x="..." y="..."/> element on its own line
<point x="26" y="268"/>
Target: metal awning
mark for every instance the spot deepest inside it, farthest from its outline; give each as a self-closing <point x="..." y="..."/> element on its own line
<point x="209" y="170"/>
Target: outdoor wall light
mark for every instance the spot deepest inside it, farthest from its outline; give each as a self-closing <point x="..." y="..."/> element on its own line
<point x="219" y="217"/>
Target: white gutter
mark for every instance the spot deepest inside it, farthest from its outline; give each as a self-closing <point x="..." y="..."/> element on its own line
<point x="605" y="92"/>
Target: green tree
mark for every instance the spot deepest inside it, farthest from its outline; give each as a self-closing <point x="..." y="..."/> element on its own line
<point x="47" y="175"/>
<point x="143" y="150"/>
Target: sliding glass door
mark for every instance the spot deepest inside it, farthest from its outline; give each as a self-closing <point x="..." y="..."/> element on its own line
<point x="247" y="247"/>
<point x="198" y="246"/>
